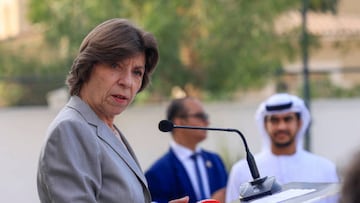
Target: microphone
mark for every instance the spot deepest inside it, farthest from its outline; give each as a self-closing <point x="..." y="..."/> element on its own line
<point x="167" y="126"/>
<point x="257" y="188"/>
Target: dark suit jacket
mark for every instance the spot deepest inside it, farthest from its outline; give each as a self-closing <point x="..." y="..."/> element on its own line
<point x="167" y="177"/>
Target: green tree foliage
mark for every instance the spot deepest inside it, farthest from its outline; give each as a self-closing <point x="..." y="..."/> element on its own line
<point x="68" y="21"/>
<point x="324" y="5"/>
<point x="208" y="48"/>
<point x="217" y="47"/>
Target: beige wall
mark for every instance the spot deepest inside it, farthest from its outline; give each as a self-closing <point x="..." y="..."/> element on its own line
<point x="350" y="7"/>
<point x="9" y="18"/>
<point x="334" y="55"/>
<point x="12" y="18"/>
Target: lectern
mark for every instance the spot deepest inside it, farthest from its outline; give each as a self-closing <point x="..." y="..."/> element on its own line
<point x="302" y="192"/>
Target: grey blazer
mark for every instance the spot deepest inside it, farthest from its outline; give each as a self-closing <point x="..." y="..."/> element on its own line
<point x="83" y="161"/>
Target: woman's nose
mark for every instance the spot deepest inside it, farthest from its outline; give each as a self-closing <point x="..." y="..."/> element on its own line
<point x="125" y="79"/>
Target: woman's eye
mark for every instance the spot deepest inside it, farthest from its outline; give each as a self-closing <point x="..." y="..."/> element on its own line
<point x="139" y="72"/>
<point x="114" y="65"/>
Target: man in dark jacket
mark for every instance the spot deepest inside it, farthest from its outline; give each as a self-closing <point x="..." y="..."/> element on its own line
<point x="186" y="169"/>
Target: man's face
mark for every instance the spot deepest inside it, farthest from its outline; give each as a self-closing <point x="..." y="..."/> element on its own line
<point x="195" y="116"/>
<point x="282" y="128"/>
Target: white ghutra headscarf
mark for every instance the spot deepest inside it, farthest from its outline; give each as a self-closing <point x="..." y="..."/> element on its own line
<point x="282" y="103"/>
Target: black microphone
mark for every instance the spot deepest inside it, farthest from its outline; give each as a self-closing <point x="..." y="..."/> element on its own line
<point x="257" y="188"/>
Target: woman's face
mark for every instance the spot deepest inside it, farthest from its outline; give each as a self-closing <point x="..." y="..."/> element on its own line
<point x="111" y="88"/>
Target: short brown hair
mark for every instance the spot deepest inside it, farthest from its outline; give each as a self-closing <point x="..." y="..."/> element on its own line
<point x="112" y="41"/>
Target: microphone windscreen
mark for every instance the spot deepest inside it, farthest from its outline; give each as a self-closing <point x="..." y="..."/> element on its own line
<point x="166" y="126"/>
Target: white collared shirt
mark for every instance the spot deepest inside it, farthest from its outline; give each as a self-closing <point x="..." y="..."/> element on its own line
<point x="183" y="154"/>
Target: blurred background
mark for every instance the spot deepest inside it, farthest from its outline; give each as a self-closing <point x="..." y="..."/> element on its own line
<point x="232" y="54"/>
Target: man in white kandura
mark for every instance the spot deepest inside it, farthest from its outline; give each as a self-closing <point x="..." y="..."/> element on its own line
<point x="282" y="120"/>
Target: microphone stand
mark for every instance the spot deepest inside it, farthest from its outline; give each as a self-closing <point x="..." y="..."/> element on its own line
<point x="257" y="188"/>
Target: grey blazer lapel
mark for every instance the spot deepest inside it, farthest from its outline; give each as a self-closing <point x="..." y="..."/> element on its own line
<point x="122" y="149"/>
<point x="106" y="134"/>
